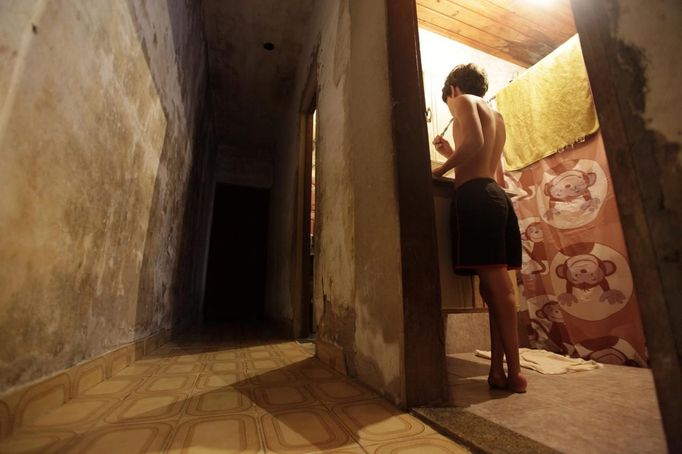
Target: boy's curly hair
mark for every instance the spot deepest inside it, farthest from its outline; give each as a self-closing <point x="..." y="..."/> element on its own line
<point x="470" y="78"/>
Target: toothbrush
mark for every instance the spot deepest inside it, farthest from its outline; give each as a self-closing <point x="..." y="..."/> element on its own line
<point x="447" y="126"/>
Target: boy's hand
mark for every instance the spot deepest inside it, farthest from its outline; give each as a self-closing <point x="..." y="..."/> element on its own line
<point x="442" y="146"/>
<point x="438" y="171"/>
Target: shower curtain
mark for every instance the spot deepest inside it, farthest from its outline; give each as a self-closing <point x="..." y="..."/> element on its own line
<point x="576" y="275"/>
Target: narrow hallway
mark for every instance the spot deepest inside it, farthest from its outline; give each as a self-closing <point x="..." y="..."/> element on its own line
<point x="228" y="389"/>
<point x="175" y="164"/>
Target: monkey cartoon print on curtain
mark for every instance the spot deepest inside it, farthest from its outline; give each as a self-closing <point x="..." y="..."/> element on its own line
<point x="576" y="274"/>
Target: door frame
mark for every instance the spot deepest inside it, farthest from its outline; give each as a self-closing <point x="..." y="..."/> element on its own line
<point x="302" y="304"/>
<point x="613" y="86"/>
<point x="424" y="338"/>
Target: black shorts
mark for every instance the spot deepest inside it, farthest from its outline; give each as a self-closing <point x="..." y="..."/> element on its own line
<point x="485" y="230"/>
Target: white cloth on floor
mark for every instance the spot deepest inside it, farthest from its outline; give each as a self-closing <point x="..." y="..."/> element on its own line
<point x="549" y="363"/>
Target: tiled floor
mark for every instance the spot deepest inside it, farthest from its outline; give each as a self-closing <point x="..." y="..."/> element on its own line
<point x="205" y="395"/>
<point x="612" y="409"/>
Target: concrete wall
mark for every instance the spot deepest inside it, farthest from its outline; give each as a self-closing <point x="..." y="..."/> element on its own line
<point x="102" y="148"/>
<point x="378" y="297"/>
<point x="649" y="36"/>
<point x="357" y="280"/>
<point x="467" y="332"/>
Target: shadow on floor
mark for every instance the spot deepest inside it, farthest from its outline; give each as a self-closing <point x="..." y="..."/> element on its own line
<point x="228" y="391"/>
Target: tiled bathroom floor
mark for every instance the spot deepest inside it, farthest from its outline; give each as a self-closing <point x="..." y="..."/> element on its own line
<point x="201" y="395"/>
<point x="608" y="410"/>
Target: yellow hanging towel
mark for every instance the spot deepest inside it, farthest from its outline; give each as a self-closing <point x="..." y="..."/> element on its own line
<point x="548" y="108"/>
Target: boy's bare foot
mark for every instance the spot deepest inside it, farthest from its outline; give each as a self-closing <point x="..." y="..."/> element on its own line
<point x="497" y="381"/>
<point x="517" y="383"/>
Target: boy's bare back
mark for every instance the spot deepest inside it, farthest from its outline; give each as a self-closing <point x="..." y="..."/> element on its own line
<point x="479" y="135"/>
<point x="485" y="123"/>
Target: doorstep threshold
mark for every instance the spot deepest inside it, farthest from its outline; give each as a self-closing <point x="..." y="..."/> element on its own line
<point x="477" y="433"/>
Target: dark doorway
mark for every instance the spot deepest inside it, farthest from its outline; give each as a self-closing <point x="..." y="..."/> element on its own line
<point x="235" y="281"/>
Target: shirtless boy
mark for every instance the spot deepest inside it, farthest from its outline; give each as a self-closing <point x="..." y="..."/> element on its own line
<point x="486" y="237"/>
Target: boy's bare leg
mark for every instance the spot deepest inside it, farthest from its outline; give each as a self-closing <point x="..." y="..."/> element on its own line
<point x="502" y="305"/>
<point x="496" y="377"/>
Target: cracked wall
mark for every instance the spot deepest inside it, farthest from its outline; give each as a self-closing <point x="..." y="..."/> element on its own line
<point x="648" y="38"/>
<point x="645" y="47"/>
<point x="631" y="54"/>
<point x="102" y="150"/>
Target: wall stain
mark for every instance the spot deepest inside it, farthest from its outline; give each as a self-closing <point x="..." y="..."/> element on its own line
<point x="106" y="198"/>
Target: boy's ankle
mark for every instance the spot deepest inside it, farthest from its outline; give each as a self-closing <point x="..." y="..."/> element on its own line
<point x="517" y="383"/>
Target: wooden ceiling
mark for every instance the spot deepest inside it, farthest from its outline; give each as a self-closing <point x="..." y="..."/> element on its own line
<point x="519" y="31"/>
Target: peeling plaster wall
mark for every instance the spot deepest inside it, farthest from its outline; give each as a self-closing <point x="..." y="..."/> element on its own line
<point x="333" y="167"/>
<point x="648" y="40"/>
<point x="103" y="148"/>
<point x="378" y="295"/>
<point x="644" y="28"/>
<point x="334" y="280"/>
<point x="649" y="37"/>
<point x="357" y="277"/>
<point x="654" y="33"/>
<point x="631" y="51"/>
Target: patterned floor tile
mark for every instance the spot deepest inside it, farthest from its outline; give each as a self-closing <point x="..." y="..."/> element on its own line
<point x="258" y="347"/>
<point x="294" y="360"/>
<point x="188" y="358"/>
<point x="229" y="355"/>
<point x="432" y="444"/>
<point x="303" y="430"/>
<point x="350" y="448"/>
<point x="167" y="384"/>
<point x="211" y="381"/>
<point x="77" y="414"/>
<point x="227" y="433"/>
<point x="47" y="442"/>
<point x="339" y="390"/>
<point x="283" y="397"/>
<point x="180" y="368"/>
<point x="273" y="377"/>
<point x="219" y="402"/>
<point x="139" y="368"/>
<point x="224" y="366"/>
<point x="265" y="364"/>
<point x="150" y="408"/>
<point x="228" y="398"/>
<point x="118" y="387"/>
<point x="376" y="420"/>
<point x="313" y="371"/>
<point x="285" y="346"/>
<point x="123" y="438"/>
<point x="295" y="354"/>
<point x="88" y="374"/>
<point x="43" y="397"/>
<point x="261" y="354"/>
